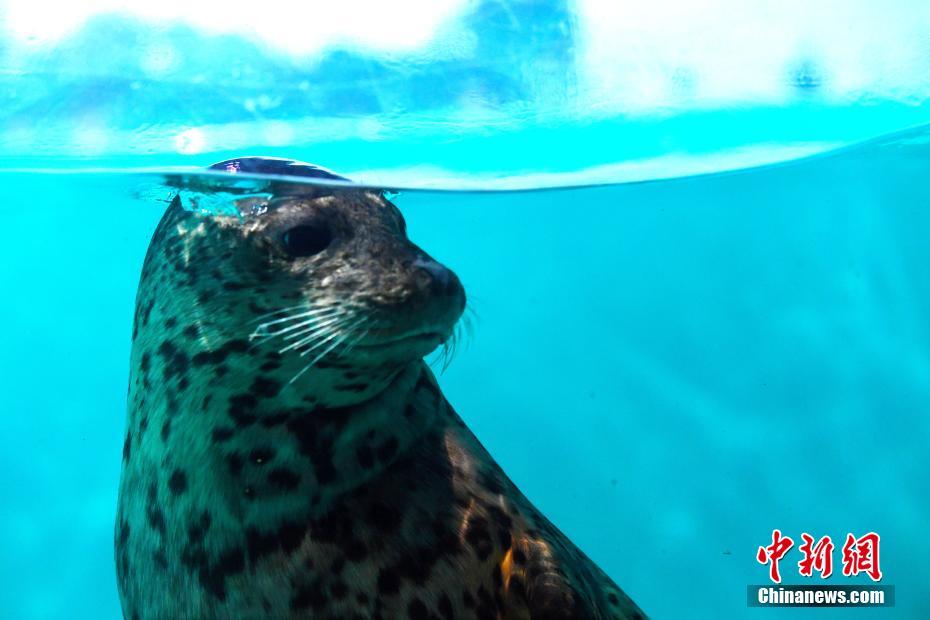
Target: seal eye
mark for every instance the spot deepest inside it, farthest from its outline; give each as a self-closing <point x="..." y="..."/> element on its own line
<point x="306" y="240"/>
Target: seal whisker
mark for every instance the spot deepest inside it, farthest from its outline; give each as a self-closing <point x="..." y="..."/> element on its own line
<point x="351" y="345"/>
<point x="336" y="332"/>
<point x="302" y="328"/>
<point x="470" y="317"/>
<point x="362" y="333"/>
<point x="462" y="332"/>
<point x="317" y="321"/>
<point x="448" y="349"/>
<point x="320" y="356"/>
<point x="316" y="334"/>
<point x="304" y="305"/>
<point x="315" y="312"/>
<point x="310" y="325"/>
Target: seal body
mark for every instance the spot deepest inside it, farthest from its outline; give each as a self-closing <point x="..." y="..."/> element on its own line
<point x="288" y="453"/>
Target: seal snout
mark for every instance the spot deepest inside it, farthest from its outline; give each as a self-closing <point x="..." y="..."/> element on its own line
<point x="437" y="278"/>
<point x="437" y="291"/>
<point x="426" y="302"/>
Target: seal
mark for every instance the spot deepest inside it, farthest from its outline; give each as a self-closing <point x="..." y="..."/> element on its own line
<point x="288" y="453"/>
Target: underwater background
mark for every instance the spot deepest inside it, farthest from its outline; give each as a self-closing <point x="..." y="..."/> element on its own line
<point x="697" y="249"/>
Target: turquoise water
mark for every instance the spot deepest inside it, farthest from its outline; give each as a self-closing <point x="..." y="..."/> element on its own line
<point x="669" y="370"/>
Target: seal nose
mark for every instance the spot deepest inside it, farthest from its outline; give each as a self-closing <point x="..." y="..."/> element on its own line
<point x="439" y="279"/>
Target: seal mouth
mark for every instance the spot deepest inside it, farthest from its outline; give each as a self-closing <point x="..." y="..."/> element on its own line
<point x="415" y="340"/>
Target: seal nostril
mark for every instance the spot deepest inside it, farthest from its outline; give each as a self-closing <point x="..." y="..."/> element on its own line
<point x="441" y="279"/>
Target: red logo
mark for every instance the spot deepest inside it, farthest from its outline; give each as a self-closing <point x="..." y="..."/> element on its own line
<point x="773" y="553"/>
<point x="860" y="555"/>
<point x="817" y="557"/>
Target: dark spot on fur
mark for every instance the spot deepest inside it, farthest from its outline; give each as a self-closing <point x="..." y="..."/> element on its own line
<point x="256" y="309"/>
<point x="445" y="607"/>
<point x="316" y="445"/>
<point x="416" y="565"/>
<point x="275" y="419"/>
<point x="383" y="518"/>
<point x="212" y="576"/>
<point x="261" y="456"/>
<point x="487" y="608"/>
<point x="241" y="408"/>
<point x="177" y="483"/>
<point x="505" y="539"/>
<point x="388" y="449"/>
<point x="217" y="356"/>
<point x="489" y="481"/>
<point x="221" y="434"/>
<point x="234" y="461"/>
<point x="388" y="582"/>
<point x="417" y="610"/>
<point x="262" y="387"/>
<point x="285" y="539"/>
<point x="203" y="358"/>
<point x="365" y="456"/>
<point x="147" y="312"/>
<point x="423" y="383"/>
<point x="351" y="387"/>
<point x="284" y="478"/>
<point x="160" y="559"/>
<point x="230" y="285"/>
<point x="478" y="537"/>
<point x="175" y="360"/>
<point x="309" y="595"/>
<point x="156" y="519"/>
<point x="198" y="528"/>
<point x="230" y="562"/>
<point x="337" y="528"/>
<point x="338" y="590"/>
<point x="500" y="517"/>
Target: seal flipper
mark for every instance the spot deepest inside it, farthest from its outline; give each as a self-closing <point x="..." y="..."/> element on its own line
<point x="532" y="572"/>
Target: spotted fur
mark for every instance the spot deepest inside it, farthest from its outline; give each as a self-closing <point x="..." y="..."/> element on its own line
<point x="354" y="491"/>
